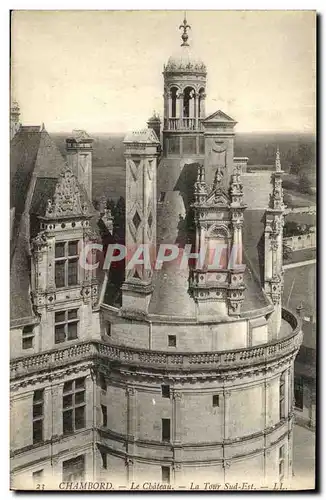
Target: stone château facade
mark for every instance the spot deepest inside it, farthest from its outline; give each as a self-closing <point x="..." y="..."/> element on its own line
<point x="192" y="377"/>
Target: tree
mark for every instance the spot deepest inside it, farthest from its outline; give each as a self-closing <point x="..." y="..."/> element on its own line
<point x="304" y="184"/>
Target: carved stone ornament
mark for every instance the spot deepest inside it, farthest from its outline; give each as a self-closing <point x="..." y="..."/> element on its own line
<point x="66" y="200"/>
<point x="219" y="147"/>
<point x="274" y="244"/>
<point x="39" y="243"/>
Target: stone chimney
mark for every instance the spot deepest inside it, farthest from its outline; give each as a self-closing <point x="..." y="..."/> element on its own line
<point x="155" y="123"/>
<point x="79" y="147"/>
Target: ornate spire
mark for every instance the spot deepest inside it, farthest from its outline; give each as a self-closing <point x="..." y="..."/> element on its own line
<point x="200" y="185"/>
<point x="219" y="174"/>
<point x="184" y="26"/>
<point x="278" y="160"/>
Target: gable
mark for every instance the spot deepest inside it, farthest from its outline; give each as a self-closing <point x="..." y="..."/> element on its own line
<point x="217" y="197"/>
<point x="219" y="117"/>
<point x="67" y="200"/>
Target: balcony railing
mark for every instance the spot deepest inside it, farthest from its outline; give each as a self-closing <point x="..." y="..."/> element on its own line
<point x="95" y="350"/>
<point x="183" y="124"/>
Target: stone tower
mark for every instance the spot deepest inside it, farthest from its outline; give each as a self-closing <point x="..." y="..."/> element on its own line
<point x="200" y="371"/>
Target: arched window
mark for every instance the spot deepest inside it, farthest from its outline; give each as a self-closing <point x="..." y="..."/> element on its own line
<point x="174" y="92"/>
<point x="188" y="102"/>
<point x="200" y="102"/>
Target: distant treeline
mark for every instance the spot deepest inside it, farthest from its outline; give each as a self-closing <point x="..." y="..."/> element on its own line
<point x="295" y="149"/>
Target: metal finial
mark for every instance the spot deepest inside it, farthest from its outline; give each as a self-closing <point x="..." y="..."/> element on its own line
<point x="184" y="26"/>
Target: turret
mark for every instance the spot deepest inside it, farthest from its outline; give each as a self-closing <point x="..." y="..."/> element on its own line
<point x="184" y="100"/>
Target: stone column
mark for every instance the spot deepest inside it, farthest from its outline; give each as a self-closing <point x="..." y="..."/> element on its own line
<point x="177" y="468"/>
<point x="48" y="412"/>
<point x="180" y="98"/>
<point x="169" y="108"/>
<point x="90" y="403"/>
<point x="288" y="404"/>
<point x="177" y="428"/>
<point x="202" y="106"/>
<point x="196" y="110"/>
<point x="177" y="417"/>
<point x="237" y="243"/>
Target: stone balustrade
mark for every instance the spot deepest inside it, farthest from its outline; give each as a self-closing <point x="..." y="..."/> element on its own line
<point x="301" y="242"/>
<point x="183" y="124"/>
<point x="96" y="350"/>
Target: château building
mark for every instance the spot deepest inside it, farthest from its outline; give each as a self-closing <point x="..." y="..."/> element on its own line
<point x="191" y="377"/>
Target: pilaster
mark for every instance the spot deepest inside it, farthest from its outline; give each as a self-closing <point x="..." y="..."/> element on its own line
<point x="131" y="395"/>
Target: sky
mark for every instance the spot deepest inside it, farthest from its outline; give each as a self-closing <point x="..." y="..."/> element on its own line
<point x="102" y="70"/>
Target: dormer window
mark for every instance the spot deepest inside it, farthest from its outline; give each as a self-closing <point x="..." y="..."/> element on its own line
<point x="66" y="264"/>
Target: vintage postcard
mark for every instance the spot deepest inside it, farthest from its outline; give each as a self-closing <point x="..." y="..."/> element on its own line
<point x="163" y="250"/>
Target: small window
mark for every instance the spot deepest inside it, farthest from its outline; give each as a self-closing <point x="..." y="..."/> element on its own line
<point x="104" y="415"/>
<point x="162" y="197"/>
<point x="172" y="341"/>
<point x="281" y="462"/>
<point x="216" y="400"/>
<point x="73" y="469"/>
<point x="166" y="429"/>
<point x="165" y="391"/>
<point x="165" y="475"/>
<point x="38" y="415"/>
<point x="108" y="328"/>
<point x="104" y="460"/>
<point x="28" y="337"/>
